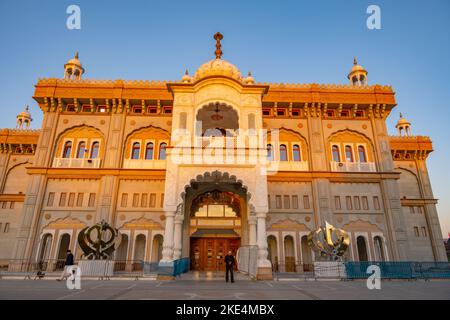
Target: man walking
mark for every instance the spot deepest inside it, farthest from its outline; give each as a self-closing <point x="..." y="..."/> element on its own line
<point x="229" y="265"/>
<point x="67" y="264"/>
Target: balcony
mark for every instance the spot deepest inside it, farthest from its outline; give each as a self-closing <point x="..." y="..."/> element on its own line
<point x="144" y="164"/>
<point x="76" y="163"/>
<point x="353" y="166"/>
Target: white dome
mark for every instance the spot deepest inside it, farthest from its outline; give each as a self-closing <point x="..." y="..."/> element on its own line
<point x="217" y="67"/>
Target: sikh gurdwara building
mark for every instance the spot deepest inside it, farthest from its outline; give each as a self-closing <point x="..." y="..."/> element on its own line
<point x="213" y="162"/>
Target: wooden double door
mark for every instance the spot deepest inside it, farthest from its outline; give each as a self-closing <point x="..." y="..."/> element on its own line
<point x="208" y="254"/>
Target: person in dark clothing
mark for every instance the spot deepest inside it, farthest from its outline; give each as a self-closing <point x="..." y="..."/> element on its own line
<point x="67" y="263"/>
<point x="229" y="266"/>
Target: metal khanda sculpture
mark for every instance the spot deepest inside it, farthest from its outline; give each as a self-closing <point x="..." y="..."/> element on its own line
<point x="99" y="241"/>
<point x="330" y="242"/>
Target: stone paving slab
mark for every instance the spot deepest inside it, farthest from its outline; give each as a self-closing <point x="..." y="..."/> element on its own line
<point x="216" y="290"/>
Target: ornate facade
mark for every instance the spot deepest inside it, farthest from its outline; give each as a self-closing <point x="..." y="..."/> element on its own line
<point x="212" y="162"/>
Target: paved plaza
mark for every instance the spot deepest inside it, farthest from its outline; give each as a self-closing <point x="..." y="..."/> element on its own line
<point x="219" y="290"/>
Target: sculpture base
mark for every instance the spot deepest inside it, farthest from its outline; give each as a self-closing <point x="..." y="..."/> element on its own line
<point x="264" y="273"/>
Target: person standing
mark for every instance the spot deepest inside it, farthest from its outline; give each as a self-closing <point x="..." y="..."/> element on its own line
<point x="229" y="266"/>
<point x="69" y="262"/>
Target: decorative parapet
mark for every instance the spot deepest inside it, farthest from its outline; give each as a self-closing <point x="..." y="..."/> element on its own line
<point x="18" y="141"/>
<point x="410" y="147"/>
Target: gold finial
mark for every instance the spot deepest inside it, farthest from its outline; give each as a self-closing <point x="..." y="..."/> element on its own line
<point x="187" y="72"/>
<point x="218" y="36"/>
<point x="401" y="115"/>
<point x="76" y="55"/>
<point x="355" y="62"/>
<point x="26" y="108"/>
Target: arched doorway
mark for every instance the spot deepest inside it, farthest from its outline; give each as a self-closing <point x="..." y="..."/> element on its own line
<point x="289" y="254"/>
<point x="157" y="248"/>
<point x="46" y="246"/>
<point x="217" y="120"/>
<point x="362" y="248"/>
<point x="273" y="252"/>
<point x="379" y="252"/>
<point x="306" y="255"/>
<point x="139" y="251"/>
<point x="122" y="250"/>
<point x="64" y="243"/>
<point x="215" y="207"/>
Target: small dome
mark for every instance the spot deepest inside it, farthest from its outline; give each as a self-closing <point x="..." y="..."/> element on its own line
<point x="249" y="79"/>
<point x="186" y="77"/>
<point x="402" y="121"/>
<point x="217" y="67"/>
<point x="356" y="69"/>
<point x="75" y="61"/>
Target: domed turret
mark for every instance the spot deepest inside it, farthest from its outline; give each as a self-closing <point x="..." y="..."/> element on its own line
<point x="249" y="79"/>
<point x="24" y="119"/>
<point x="357" y="75"/>
<point x="73" y="69"/>
<point x="403" y="126"/>
<point x="186" y="78"/>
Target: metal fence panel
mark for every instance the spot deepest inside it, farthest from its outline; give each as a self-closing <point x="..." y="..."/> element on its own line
<point x="247" y="260"/>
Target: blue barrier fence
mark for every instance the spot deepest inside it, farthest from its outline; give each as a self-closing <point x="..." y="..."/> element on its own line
<point x="180" y="266"/>
<point x="399" y="270"/>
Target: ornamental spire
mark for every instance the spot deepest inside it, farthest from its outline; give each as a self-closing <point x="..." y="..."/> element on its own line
<point x="218" y="36"/>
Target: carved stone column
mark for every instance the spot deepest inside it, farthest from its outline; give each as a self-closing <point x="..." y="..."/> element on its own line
<point x="264" y="265"/>
<point x="252" y="230"/>
<point x="177" y="245"/>
<point x="167" y="253"/>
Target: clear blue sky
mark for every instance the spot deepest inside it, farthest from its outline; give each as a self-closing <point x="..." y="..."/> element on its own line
<point x="279" y="41"/>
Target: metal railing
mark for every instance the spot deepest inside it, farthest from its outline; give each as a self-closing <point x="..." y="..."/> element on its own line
<point x="76" y="163"/>
<point x="353" y="166"/>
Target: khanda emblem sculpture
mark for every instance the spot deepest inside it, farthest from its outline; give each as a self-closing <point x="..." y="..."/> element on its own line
<point x="99" y="241"/>
<point x="329" y="242"/>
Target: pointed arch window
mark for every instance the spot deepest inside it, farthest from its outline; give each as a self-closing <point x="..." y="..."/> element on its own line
<point x="81" y="149"/>
<point x="149" y="151"/>
<point x="67" y="149"/>
<point x="162" y="151"/>
<point x="336" y="154"/>
<point x="135" y="150"/>
<point x="362" y="154"/>
<point x="283" y="153"/>
<point x="269" y="152"/>
<point x="348" y="154"/>
<point x="296" y="153"/>
<point x="94" y="150"/>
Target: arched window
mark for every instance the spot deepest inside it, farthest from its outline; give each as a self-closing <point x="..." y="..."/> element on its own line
<point x="283" y="153"/>
<point x="336" y="154"/>
<point x="379" y="252"/>
<point x="348" y="154"/>
<point x="269" y="152"/>
<point x="296" y="153"/>
<point x="94" y="150"/>
<point x="67" y="149"/>
<point x="149" y="151"/>
<point x="81" y="149"/>
<point x="362" y="249"/>
<point x="162" y="151"/>
<point x="355" y="80"/>
<point x="135" y="150"/>
<point x="362" y="154"/>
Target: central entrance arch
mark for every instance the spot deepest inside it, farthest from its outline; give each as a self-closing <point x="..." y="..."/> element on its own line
<point x="216" y="209"/>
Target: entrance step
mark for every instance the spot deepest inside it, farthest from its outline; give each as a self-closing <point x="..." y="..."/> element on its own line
<point x="212" y="276"/>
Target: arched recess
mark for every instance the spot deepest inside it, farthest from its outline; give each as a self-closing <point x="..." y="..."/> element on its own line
<point x="273" y="252"/>
<point x="408" y="184"/>
<point x="289" y="253"/>
<point x="143" y="136"/>
<point x="77" y="134"/>
<point x="217" y="119"/>
<point x="362" y="247"/>
<point x="157" y="247"/>
<point x="289" y="138"/>
<point x="354" y="139"/>
<point x="16" y="180"/>
<point x="306" y="254"/>
<point x="45" y="247"/>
